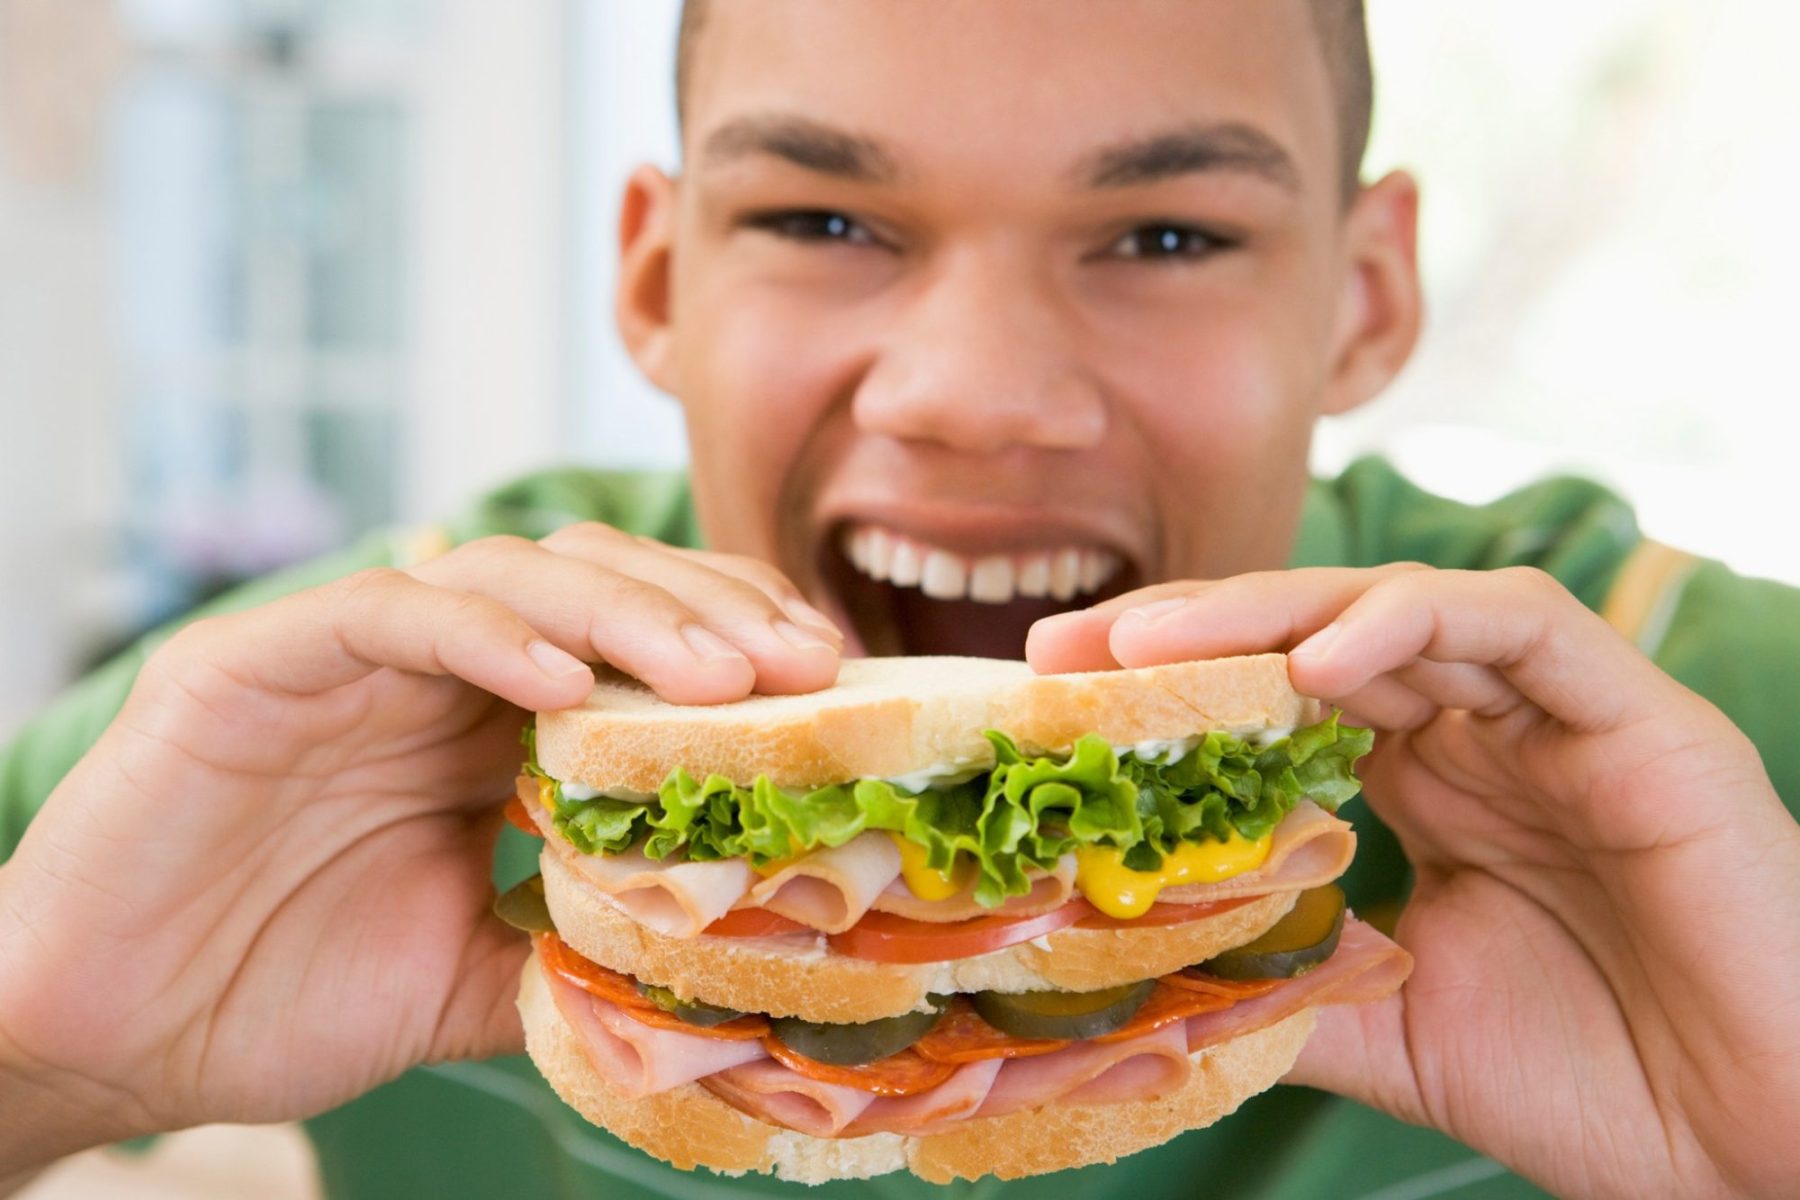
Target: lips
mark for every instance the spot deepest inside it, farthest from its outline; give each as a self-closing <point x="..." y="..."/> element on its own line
<point x="907" y="592"/>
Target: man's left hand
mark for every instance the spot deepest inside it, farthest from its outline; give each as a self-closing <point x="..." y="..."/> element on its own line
<point x="1606" y="914"/>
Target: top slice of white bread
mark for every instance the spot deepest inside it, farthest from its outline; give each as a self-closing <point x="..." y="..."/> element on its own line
<point x="887" y="717"/>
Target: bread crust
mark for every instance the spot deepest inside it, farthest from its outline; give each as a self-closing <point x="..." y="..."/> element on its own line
<point x="796" y="976"/>
<point x="688" y="1126"/>
<point x="893" y="716"/>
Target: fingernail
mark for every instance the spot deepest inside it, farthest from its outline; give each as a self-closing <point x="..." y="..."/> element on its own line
<point x="1316" y="645"/>
<point x="707" y="645"/>
<point x="554" y="661"/>
<point x="1161" y="608"/>
<point x="798" y="638"/>
<point x="806" y="614"/>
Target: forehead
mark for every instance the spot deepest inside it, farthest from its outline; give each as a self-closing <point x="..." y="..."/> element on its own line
<point x="1020" y="85"/>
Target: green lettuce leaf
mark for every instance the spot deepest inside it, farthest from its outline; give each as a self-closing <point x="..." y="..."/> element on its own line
<point x="1027" y="811"/>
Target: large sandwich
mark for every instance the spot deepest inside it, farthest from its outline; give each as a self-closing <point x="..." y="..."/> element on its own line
<point x="947" y="916"/>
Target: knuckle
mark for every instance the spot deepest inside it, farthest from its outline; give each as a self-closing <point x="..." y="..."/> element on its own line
<point x="497" y="548"/>
<point x="1534" y="580"/>
<point x="370" y="583"/>
<point x="584" y="535"/>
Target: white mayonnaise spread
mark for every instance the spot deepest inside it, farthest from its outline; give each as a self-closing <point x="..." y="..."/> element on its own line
<point x="577" y="791"/>
<point x="1160" y="751"/>
<point x="938" y="775"/>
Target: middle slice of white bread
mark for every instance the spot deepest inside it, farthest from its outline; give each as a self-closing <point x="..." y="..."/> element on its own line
<point x="800" y="976"/>
<point x="888" y="717"/>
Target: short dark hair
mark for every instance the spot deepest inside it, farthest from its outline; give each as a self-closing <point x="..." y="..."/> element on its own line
<point x="1343" y="35"/>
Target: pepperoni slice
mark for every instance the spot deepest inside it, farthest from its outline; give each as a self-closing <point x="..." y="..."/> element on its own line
<point x="1164" y="1006"/>
<point x="961" y="1036"/>
<point x="621" y="990"/>
<point x="904" y="1074"/>
<point x="1195" y="980"/>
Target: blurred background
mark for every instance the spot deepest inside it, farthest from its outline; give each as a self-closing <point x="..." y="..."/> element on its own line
<point x="274" y="272"/>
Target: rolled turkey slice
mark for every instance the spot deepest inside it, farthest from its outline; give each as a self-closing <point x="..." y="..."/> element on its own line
<point x="830" y="890"/>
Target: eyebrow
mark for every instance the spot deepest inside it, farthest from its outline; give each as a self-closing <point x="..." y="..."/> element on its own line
<point x="1232" y="147"/>
<point x="803" y="142"/>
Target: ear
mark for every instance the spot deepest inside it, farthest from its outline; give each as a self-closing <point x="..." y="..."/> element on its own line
<point x="641" y="301"/>
<point x="1381" y="308"/>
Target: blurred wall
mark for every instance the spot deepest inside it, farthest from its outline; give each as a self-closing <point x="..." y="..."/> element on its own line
<point x="1605" y="239"/>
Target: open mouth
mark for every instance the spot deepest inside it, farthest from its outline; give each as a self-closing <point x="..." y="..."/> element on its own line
<point x="907" y="596"/>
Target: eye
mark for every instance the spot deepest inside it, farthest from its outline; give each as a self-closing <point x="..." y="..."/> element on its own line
<point x="1167" y="241"/>
<point x="812" y="225"/>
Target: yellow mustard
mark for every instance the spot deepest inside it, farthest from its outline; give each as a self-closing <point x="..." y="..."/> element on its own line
<point x="926" y="883"/>
<point x="1119" y="891"/>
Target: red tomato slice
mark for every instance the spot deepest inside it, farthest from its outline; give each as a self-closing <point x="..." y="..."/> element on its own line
<point x="902" y="1074"/>
<point x="884" y="937"/>
<point x="1164" y="914"/>
<point x="961" y="1036"/>
<point x="520" y="818"/>
<point x="753" y="922"/>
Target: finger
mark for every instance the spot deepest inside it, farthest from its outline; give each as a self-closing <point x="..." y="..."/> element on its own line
<point x="326" y="637"/>
<point x="788" y="657"/>
<point x="1386" y="704"/>
<point x="595" y="612"/>
<point x="1520" y="622"/>
<point x="772" y="583"/>
<point x="1476" y="687"/>
<point x="1246" y="614"/>
<point x="482" y="1019"/>
<point x="1358" y="1050"/>
<point x="1077" y="641"/>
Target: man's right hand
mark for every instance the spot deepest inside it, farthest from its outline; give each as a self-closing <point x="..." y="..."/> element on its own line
<point x="265" y="889"/>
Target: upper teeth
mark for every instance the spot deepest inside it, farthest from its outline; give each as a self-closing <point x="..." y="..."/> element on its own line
<point x="991" y="578"/>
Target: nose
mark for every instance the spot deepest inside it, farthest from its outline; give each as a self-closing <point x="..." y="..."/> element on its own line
<point x="983" y="358"/>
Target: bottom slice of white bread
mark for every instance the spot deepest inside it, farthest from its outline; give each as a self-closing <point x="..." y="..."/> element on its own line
<point x="688" y="1126"/>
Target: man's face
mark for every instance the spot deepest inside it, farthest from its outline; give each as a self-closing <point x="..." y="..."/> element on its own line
<point x="984" y="309"/>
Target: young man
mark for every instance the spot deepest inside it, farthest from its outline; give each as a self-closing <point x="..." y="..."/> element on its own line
<point x="964" y="301"/>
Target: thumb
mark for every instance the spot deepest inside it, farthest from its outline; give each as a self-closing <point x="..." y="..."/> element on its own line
<point x="482" y="1018"/>
<point x="1360" y="1051"/>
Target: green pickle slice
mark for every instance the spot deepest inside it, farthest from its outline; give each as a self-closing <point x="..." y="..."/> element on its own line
<point x="1063" y="1016"/>
<point x="694" y="1012"/>
<point x="1297" y="943"/>
<point x="854" y="1045"/>
<point x="522" y="906"/>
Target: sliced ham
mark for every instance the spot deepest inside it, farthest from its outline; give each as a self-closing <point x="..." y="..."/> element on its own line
<point x="1086" y="1067"/>
<point x="771" y="1092"/>
<point x="1311" y="847"/>
<point x="1049" y="891"/>
<point x="1366" y="966"/>
<point x="957" y="1097"/>
<point x="640" y="1060"/>
<point x="831" y="889"/>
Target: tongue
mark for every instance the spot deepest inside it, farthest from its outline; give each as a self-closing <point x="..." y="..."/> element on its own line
<point x="928" y="626"/>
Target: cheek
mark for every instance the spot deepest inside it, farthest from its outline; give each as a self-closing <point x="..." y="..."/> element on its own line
<point x="759" y="377"/>
<point x="1221" y="398"/>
